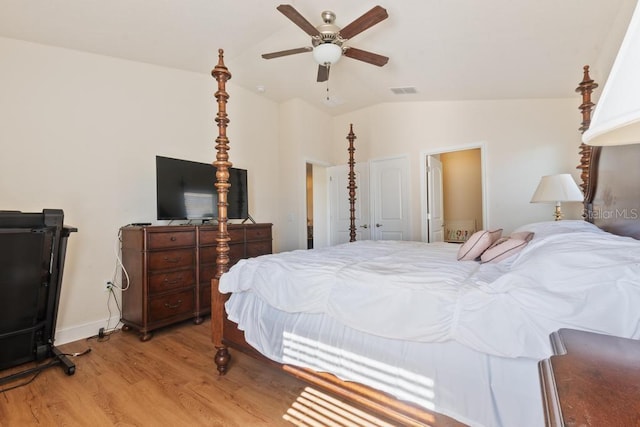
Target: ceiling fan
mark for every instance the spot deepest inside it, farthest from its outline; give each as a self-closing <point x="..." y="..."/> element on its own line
<point x="328" y="40"/>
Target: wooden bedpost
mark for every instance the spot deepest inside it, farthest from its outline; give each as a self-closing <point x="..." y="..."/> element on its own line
<point x="222" y="164"/>
<point x="587" y="152"/>
<point x="352" y="186"/>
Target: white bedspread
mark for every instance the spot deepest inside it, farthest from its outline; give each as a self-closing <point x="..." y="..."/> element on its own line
<point x="572" y="275"/>
<point x="476" y="389"/>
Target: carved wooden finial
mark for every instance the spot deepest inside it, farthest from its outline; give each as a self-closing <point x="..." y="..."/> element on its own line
<point x="585" y="88"/>
<point x="352" y="186"/>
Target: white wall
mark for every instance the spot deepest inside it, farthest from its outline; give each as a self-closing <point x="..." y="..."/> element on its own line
<point x="524" y="139"/>
<point x="305" y="137"/>
<point x="80" y="132"/>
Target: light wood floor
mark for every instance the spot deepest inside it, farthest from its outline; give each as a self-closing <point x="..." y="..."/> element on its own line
<point x="167" y="381"/>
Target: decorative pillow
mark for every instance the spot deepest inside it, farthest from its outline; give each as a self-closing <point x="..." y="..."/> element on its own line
<point x="477" y="244"/>
<point x="503" y="249"/>
<point x="522" y="235"/>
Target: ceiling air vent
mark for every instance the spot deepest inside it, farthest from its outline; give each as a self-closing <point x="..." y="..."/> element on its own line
<point x="404" y="90"/>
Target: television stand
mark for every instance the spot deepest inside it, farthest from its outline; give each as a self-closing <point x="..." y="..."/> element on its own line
<point x="171" y="267"/>
<point x="248" y="218"/>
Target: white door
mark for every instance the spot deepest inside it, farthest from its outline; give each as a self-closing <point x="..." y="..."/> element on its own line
<point x="435" y="205"/>
<point x="390" y="199"/>
<point x="339" y="203"/>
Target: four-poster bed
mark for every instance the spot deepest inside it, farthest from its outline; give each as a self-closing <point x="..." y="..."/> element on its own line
<point x="469" y="351"/>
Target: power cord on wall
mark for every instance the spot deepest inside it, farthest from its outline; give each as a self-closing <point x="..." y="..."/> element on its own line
<point x="120" y="274"/>
<point x="104" y="333"/>
<point x="119" y="267"/>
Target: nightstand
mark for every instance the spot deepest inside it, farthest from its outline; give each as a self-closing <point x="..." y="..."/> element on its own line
<point x="592" y="380"/>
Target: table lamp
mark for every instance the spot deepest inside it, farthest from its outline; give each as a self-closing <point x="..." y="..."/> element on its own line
<point x="557" y="189"/>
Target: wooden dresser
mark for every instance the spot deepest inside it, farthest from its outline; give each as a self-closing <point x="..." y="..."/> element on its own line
<point x="170" y="270"/>
<point x="593" y="380"/>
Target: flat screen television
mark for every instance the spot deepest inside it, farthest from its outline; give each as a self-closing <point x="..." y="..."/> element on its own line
<point x="186" y="190"/>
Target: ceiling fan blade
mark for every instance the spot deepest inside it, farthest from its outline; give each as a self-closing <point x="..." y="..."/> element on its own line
<point x="286" y="52"/>
<point x="365" y="56"/>
<point x="295" y="17"/>
<point x="323" y="73"/>
<point x="367" y="20"/>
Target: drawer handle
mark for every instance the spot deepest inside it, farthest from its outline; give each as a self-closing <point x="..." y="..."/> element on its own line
<point x="173" y="238"/>
<point x="172" y="282"/>
<point x="173" y="306"/>
<point x="174" y="260"/>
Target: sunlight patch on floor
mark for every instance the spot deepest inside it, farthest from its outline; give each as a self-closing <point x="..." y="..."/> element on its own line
<point x="315" y="408"/>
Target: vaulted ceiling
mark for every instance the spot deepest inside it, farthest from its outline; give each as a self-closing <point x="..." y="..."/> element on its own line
<point x="445" y="49"/>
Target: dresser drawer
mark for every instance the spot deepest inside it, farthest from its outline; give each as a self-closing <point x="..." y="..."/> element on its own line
<point x="236" y="252"/>
<point x="166" y="260"/>
<point x="258" y="248"/>
<point x="162" y="282"/>
<point x="208" y="254"/>
<point x="236" y="235"/>
<point x="172" y="305"/>
<point x="258" y="233"/>
<point x="205" y="296"/>
<point x="207" y="272"/>
<point x="171" y="239"/>
<point x="208" y="236"/>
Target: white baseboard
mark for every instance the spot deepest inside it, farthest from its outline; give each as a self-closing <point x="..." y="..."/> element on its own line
<point x="76" y="333"/>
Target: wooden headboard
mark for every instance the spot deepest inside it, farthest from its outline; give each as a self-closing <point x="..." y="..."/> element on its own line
<point x="610" y="176"/>
<point x="614" y="203"/>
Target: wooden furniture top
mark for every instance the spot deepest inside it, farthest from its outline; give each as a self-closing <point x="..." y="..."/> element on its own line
<point x="593" y="380"/>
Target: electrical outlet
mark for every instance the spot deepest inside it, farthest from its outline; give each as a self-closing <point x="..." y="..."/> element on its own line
<point x="108" y="284"/>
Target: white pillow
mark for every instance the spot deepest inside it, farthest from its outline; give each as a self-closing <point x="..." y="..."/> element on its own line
<point x="547" y="228"/>
<point x="477" y="244"/>
<point x="503" y="249"/>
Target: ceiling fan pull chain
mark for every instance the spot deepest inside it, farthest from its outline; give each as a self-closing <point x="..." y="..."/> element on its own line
<point x="328" y="68"/>
<point x="327" y="89"/>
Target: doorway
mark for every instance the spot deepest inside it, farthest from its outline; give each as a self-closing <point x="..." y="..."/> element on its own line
<point x="309" y="200"/>
<point x="316" y="206"/>
<point x="454" y="195"/>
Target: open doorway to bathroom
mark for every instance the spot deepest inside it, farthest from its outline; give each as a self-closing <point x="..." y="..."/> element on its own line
<point x="455" y="205"/>
<point x="309" y="199"/>
<point x="316" y="206"/>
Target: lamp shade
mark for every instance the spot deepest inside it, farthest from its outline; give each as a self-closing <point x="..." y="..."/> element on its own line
<point x="327" y="53"/>
<point x="557" y="188"/>
<point x="616" y="119"/>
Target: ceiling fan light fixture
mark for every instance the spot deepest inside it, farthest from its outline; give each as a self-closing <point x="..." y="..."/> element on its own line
<point x="327" y="53"/>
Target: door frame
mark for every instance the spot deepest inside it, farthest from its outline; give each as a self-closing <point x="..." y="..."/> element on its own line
<point x="320" y="205"/>
<point x="423" y="180"/>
